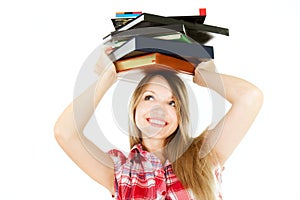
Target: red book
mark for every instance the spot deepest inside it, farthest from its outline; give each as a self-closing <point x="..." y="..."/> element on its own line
<point x="155" y="61"/>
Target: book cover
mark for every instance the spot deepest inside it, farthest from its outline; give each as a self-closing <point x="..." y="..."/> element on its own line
<point x="154" y="31"/>
<point x="197" y="19"/>
<point x="150" y="30"/>
<point x="116" y="42"/>
<point x="192" y="52"/>
<point x="146" y="20"/>
<point x="128" y="14"/>
<point x="155" y="61"/>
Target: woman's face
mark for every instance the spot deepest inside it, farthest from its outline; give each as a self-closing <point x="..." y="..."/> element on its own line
<point x="156" y="114"/>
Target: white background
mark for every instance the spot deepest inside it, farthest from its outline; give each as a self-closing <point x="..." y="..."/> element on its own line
<point x="44" y="43"/>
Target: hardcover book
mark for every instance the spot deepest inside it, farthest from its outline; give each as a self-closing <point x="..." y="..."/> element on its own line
<point x="150" y="31"/>
<point x="155" y="61"/>
<point x="146" y="20"/>
<point x="138" y="45"/>
<point x="119" y="40"/>
<point x="160" y="32"/>
<point x="120" y="22"/>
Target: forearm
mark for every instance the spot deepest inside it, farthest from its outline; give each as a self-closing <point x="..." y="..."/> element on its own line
<point x="246" y="100"/>
<point x="75" y="117"/>
<point x="231" y="88"/>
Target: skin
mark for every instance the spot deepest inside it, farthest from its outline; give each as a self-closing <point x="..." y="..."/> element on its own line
<point x="246" y="100"/>
<point x="156" y="115"/>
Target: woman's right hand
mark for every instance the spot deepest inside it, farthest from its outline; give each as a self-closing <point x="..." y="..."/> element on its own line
<point x="104" y="66"/>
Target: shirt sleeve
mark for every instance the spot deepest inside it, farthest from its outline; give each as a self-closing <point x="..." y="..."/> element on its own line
<point x="218" y="178"/>
<point x="119" y="159"/>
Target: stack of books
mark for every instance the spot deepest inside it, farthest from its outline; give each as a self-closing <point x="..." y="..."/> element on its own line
<point x="144" y="40"/>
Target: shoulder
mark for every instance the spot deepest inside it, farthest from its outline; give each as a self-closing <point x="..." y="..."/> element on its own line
<point x="117" y="156"/>
<point x="120" y="158"/>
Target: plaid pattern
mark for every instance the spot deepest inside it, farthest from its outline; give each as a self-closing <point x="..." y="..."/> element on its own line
<point x="141" y="176"/>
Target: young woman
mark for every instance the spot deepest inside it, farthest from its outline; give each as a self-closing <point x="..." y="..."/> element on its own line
<point x="164" y="161"/>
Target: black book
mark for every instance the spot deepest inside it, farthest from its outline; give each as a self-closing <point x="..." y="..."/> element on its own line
<point x="198" y="19"/>
<point x="155" y="31"/>
<point x="146" y="20"/>
<point x="139" y="45"/>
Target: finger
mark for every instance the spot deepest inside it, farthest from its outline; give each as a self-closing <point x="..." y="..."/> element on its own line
<point x="108" y="49"/>
<point x="207" y="65"/>
<point x="103" y="60"/>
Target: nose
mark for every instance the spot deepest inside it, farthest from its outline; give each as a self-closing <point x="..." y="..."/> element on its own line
<point x="157" y="111"/>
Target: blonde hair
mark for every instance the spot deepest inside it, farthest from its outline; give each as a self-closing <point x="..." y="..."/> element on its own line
<point x="193" y="170"/>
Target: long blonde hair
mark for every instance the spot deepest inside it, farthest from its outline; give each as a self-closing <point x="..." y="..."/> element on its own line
<point x="193" y="170"/>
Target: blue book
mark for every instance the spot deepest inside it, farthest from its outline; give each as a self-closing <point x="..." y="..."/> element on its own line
<point x="139" y="45"/>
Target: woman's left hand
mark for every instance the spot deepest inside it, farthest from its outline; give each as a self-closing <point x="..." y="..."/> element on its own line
<point x="208" y="66"/>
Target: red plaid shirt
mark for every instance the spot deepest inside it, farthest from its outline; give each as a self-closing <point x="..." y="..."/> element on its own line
<point x="141" y="176"/>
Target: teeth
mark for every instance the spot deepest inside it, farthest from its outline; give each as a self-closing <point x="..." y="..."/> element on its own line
<point x="155" y="121"/>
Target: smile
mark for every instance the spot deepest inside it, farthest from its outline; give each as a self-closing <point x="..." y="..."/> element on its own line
<point x="157" y="122"/>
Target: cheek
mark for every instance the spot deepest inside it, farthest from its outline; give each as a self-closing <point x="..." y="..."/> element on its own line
<point x="173" y="118"/>
<point x="173" y="115"/>
<point x="140" y="112"/>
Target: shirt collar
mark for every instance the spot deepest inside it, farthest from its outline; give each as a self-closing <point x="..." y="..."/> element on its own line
<point x="138" y="148"/>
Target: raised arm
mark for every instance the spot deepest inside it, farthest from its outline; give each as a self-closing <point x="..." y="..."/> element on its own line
<point x="246" y="100"/>
<point x="71" y="123"/>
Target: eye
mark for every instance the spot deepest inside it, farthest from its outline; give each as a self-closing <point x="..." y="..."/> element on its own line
<point x="149" y="98"/>
<point x="172" y="103"/>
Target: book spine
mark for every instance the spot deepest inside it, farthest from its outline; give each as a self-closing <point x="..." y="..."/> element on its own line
<point x="131" y="63"/>
<point x="128" y="14"/>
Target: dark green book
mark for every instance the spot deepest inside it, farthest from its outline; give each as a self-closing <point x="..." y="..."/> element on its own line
<point x="174" y="32"/>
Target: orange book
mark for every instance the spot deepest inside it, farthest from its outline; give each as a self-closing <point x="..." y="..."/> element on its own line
<point x="155" y="60"/>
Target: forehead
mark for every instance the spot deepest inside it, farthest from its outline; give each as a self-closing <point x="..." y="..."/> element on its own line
<point x="158" y="82"/>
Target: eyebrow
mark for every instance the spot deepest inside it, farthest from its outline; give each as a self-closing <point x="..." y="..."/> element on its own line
<point x="151" y="91"/>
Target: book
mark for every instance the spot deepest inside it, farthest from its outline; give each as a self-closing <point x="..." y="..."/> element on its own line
<point x="128" y="14"/>
<point x="155" y="61"/>
<point x="118" y="40"/>
<point x="150" y="30"/>
<point x="138" y="45"/>
<point x="147" y="19"/>
<point x="160" y="31"/>
<point x="121" y="21"/>
<point x="175" y="37"/>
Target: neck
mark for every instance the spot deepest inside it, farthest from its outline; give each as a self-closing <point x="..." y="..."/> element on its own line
<point x="152" y="145"/>
<point x="155" y="147"/>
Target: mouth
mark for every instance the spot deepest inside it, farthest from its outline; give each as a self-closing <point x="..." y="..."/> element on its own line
<point x="157" y="122"/>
